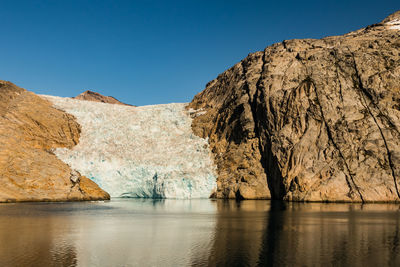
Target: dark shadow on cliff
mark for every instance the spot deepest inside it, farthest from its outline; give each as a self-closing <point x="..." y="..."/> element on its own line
<point x="268" y="159"/>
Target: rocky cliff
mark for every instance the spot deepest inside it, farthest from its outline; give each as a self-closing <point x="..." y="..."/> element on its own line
<point x="309" y="120"/>
<point x="96" y="97"/>
<point x="30" y="128"/>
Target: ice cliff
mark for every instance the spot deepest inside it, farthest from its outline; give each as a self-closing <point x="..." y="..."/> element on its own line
<point x="147" y="151"/>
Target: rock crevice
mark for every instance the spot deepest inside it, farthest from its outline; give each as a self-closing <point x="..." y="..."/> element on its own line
<point x="364" y="92"/>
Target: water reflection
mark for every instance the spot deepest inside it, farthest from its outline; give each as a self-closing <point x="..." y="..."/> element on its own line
<point x="313" y="234"/>
<point x="198" y="233"/>
<point x="238" y="233"/>
<point x="331" y="234"/>
<point x="148" y="233"/>
<point x="116" y="233"/>
<point x="29" y="240"/>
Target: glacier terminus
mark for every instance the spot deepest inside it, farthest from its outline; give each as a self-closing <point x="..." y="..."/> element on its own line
<point x="140" y="152"/>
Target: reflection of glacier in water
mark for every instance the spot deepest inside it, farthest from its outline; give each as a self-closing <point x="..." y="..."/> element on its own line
<point x="147" y="151"/>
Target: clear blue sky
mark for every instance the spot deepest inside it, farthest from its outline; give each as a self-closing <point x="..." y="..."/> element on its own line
<point x="151" y="52"/>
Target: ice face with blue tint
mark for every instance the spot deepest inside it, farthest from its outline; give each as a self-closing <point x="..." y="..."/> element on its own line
<point x="148" y="151"/>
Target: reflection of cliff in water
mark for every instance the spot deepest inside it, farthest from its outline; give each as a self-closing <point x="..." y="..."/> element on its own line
<point x="27" y="240"/>
<point x="331" y="234"/>
<point x="261" y="233"/>
<point x="238" y="234"/>
<point x="199" y="233"/>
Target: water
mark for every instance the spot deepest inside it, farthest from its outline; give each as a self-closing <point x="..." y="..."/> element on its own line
<point x="135" y="232"/>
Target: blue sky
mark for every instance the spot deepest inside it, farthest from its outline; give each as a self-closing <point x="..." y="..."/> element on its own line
<point x="152" y="52"/>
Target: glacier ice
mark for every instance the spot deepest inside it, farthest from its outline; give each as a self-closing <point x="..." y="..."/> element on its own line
<point x="148" y="151"/>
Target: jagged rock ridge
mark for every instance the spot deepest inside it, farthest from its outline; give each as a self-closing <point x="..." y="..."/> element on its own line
<point x="96" y="97"/>
<point x="309" y="120"/>
<point x="30" y="128"/>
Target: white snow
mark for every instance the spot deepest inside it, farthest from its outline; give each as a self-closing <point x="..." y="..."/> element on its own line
<point x="394" y="24"/>
<point x="148" y="151"/>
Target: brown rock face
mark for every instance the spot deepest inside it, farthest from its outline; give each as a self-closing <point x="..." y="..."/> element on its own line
<point x="29" y="129"/>
<point x="309" y="120"/>
<point x="96" y="97"/>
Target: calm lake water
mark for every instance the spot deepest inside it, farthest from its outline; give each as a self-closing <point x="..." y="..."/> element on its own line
<point x="135" y="232"/>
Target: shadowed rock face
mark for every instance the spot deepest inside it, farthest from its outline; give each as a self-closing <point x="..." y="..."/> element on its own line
<point x="30" y="128"/>
<point x="309" y="120"/>
<point x="96" y="97"/>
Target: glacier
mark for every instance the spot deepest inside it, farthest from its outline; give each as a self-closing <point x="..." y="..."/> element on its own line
<point x="141" y="152"/>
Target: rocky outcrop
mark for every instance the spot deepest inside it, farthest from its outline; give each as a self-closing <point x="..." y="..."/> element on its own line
<point x="30" y="128"/>
<point x="309" y="120"/>
<point x="96" y="97"/>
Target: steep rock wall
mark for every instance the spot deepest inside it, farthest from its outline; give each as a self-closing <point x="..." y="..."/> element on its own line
<point x="309" y="120"/>
<point x="30" y="128"/>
